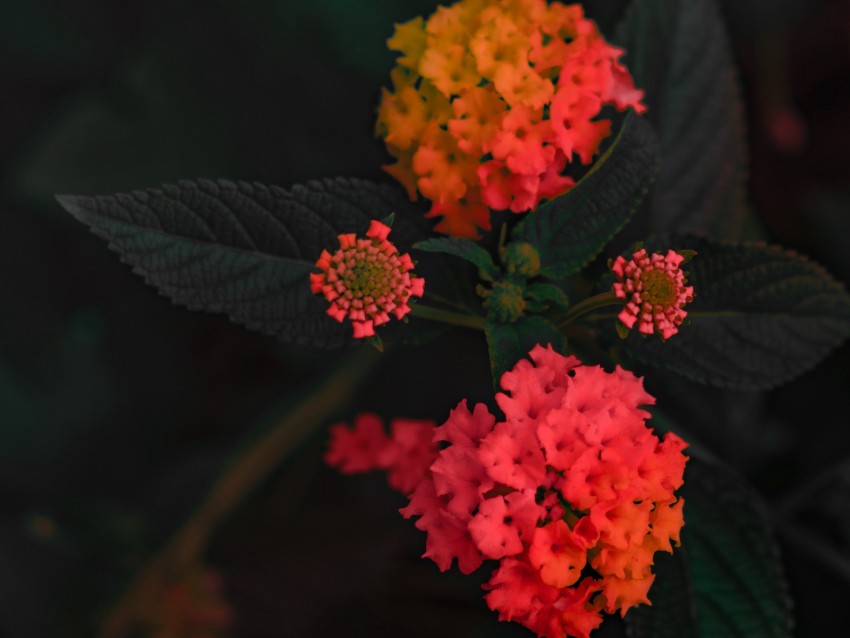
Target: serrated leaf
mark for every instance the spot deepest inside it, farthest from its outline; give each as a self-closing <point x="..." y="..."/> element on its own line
<point x="463" y="248"/>
<point x="761" y="315"/>
<point x="243" y="249"/>
<point x="510" y="342"/>
<point x="679" y="53"/>
<point x="572" y="229"/>
<point x="726" y="578"/>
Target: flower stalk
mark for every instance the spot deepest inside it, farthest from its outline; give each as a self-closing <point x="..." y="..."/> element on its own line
<point x="447" y="316"/>
<point x="601" y="300"/>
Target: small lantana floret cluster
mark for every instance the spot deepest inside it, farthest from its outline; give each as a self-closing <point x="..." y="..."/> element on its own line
<point x="492" y="100"/>
<point x="504" y="301"/>
<point x="405" y="454"/>
<point x="655" y="290"/>
<point x="366" y="280"/>
<point x="571" y="493"/>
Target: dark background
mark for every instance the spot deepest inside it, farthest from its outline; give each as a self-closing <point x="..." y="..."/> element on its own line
<point x="118" y="409"/>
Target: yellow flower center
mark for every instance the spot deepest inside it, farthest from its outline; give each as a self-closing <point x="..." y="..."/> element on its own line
<point x="370" y="276"/>
<point x="659" y="288"/>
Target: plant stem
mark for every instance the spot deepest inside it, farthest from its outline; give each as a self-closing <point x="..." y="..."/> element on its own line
<point x="447" y="316"/>
<point x="447" y="302"/>
<point x="586" y="305"/>
<point x="250" y="467"/>
<point x="601" y="316"/>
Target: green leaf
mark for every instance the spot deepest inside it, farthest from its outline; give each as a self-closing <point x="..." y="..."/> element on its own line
<point x="465" y="249"/>
<point x="726" y="578"/>
<point x="243" y="249"/>
<point x="761" y="315"/>
<point x="679" y="53"/>
<point x="510" y="342"/>
<point x="572" y="229"/>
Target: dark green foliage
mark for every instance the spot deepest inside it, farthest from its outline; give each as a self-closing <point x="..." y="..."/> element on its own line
<point x="761" y="315"/>
<point x="244" y="249"/>
<point x="726" y="579"/>
<point x="679" y="53"/>
<point x="571" y="230"/>
<point x="510" y="342"/>
<point x="465" y="249"/>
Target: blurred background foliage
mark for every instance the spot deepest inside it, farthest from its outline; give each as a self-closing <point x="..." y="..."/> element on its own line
<point x="118" y="409"/>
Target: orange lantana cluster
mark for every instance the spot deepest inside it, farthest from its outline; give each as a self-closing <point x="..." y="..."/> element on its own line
<point x="490" y="102"/>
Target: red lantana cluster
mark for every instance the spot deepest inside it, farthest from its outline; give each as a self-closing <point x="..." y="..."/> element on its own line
<point x="654" y="288"/>
<point x="492" y="99"/>
<point x="366" y="280"/>
<point x="572" y="493"/>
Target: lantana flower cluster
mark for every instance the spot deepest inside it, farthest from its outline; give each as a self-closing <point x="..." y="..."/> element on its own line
<point x="366" y="280"/>
<point x="572" y="493"/>
<point x="654" y="288"/>
<point x="492" y="100"/>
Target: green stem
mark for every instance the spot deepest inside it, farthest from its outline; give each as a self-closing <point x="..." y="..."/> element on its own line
<point x="586" y="305"/>
<point x="446" y="301"/>
<point x="447" y="316"/>
<point x="601" y="316"/>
